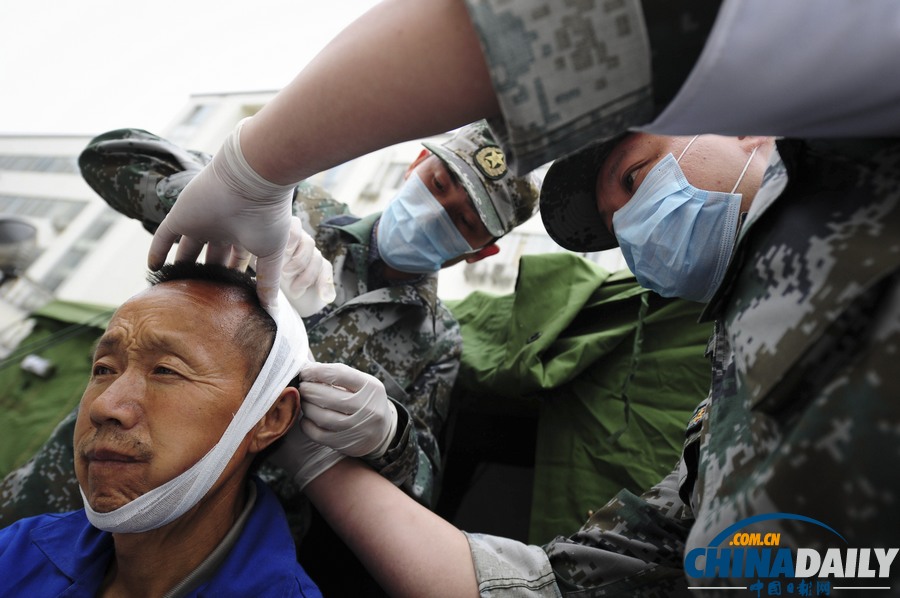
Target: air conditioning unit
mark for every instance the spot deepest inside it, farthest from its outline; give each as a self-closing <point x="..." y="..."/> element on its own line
<point x="18" y="244"/>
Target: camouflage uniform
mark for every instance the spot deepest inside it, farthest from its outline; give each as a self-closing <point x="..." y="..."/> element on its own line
<point x="804" y="405"/>
<point x="802" y="408"/>
<point x="802" y="411"/>
<point x="401" y="333"/>
<point x="569" y="73"/>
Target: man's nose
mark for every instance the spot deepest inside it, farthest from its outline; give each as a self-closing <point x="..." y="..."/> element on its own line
<point x="119" y="403"/>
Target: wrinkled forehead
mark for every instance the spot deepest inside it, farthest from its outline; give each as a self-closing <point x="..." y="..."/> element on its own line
<point x="205" y="312"/>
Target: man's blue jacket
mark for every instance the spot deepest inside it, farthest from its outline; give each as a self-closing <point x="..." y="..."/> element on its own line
<point x="64" y="555"/>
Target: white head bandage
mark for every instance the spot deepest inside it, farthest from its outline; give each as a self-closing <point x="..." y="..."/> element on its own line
<point x="168" y="502"/>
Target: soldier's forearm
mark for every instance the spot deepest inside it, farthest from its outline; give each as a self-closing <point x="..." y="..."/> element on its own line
<point x="409" y="549"/>
<point x="377" y="83"/>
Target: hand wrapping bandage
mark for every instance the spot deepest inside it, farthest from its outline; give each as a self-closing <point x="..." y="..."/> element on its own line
<point x="307" y="278"/>
<point x="168" y="502"/>
<point x="232" y="210"/>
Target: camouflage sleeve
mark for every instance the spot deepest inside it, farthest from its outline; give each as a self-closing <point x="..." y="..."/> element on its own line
<point x="414" y="463"/>
<point x="46" y="483"/>
<point x="567" y="74"/>
<point x="633" y="546"/>
<point x="313" y="204"/>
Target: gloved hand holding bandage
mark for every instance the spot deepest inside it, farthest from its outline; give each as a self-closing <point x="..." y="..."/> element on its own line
<point x="346" y="409"/>
<point x="307" y="278"/>
<point x="301" y="458"/>
<point x="235" y="211"/>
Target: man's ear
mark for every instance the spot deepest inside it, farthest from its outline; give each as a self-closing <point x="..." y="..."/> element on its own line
<point x="419" y="159"/>
<point x="277" y="420"/>
<point x="486" y="251"/>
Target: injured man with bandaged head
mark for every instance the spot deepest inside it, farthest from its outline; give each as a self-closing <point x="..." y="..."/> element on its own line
<point x="191" y="382"/>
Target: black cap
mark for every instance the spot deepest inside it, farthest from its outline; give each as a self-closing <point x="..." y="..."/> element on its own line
<point x="569" y="203"/>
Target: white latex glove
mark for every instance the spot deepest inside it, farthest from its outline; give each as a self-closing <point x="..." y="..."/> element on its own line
<point x="301" y="458"/>
<point x="236" y="211"/>
<point x="346" y="410"/>
<point x="307" y="278"/>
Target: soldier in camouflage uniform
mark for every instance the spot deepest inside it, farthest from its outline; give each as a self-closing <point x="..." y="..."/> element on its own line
<point x="385" y="322"/>
<point x="802" y="401"/>
<point x="392" y="325"/>
<point x="802" y="408"/>
<point x="803" y="396"/>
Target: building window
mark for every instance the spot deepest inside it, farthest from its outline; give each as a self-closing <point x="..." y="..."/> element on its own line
<point x="187" y="128"/>
<point x="73" y="256"/>
<point x="65" y="164"/>
<point x="60" y="212"/>
<point x="196" y="116"/>
<point x="391" y="179"/>
<point x="394" y="175"/>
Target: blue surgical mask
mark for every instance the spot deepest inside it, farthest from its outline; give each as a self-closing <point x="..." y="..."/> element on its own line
<point x="415" y="233"/>
<point x="677" y="239"/>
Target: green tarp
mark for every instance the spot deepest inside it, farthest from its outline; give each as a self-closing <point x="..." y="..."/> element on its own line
<point x="63" y="334"/>
<point x="574" y="344"/>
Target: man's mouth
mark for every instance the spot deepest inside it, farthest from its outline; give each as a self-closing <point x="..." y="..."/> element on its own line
<point x="106" y="455"/>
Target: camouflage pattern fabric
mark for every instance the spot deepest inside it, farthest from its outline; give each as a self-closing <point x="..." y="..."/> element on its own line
<point x="563" y="70"/>
<point x="401" y="334"/>
<point x="802" y="416"/>
<point x="568" y="74"/>
<point x="46" y="483"/>
<point x="139" y="174"/>
<point x="804" y="408"/>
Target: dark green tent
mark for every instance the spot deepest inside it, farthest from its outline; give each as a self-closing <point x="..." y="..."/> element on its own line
<point x="32" y="404"/>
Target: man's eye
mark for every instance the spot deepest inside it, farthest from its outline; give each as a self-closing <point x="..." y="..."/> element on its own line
<point x="100" y="370"/>
<point x="161" y="369"/>
<point x="438" y="184"/>
<point x="628" y="181"/>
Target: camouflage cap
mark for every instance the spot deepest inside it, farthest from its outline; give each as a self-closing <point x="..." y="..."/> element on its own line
<point x="137" y="173"/>
<point x="503" y="200"/>
<point x="569" y="202"/>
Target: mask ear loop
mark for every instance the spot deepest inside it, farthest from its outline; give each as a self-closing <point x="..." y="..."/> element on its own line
<point x="684" y="151"/>
<point x="743" y="172"/>
<point x="746" y="166"/>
